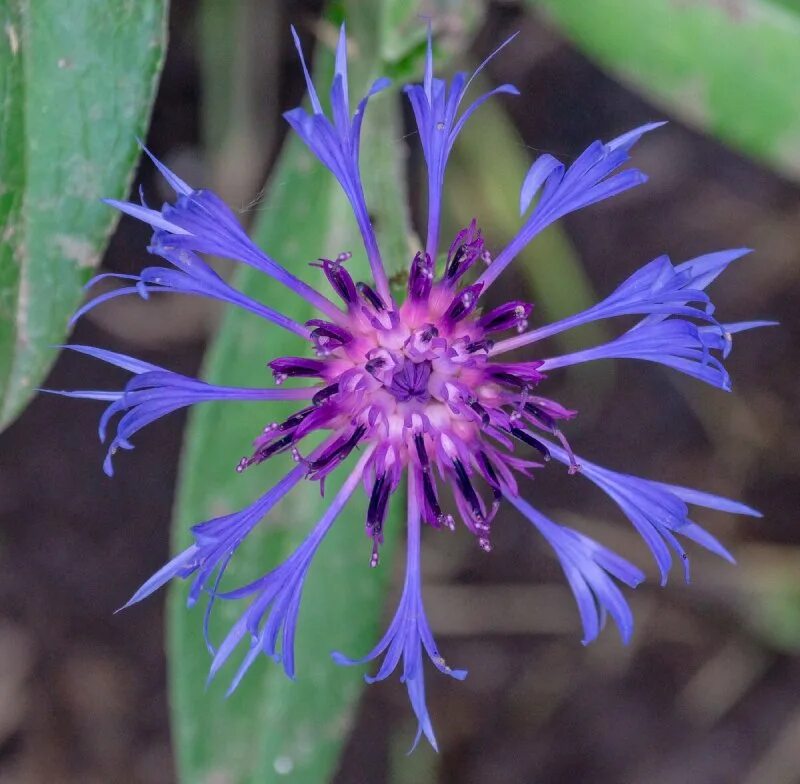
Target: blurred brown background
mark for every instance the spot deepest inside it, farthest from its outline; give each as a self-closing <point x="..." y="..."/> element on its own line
<point x="708" y="692"/>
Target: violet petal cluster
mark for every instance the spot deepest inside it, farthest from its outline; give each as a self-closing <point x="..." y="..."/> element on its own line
<point x="430" y="391"/>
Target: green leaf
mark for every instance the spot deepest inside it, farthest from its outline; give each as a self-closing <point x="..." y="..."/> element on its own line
<point x="271" y="725"/>
<point x="730" y="69"/>
<point x="77" y="82"/>
<point x="404" y="33"/>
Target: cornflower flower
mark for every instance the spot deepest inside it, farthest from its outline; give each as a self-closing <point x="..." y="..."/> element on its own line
<point x="425" y="389"/>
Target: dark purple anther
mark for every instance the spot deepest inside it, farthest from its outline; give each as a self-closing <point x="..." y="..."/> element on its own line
<point x="436" y="516"/>
<point x="319" y="417"/>
<point x="479" y="345"/>
<point x="463" y="304"/>
<point x="429" y="332"/>
<point x="428" y="487"/>
<point x="279" y="438"/>
<point x="410" y="382"/>
<point x="325" y="393"/>
<point x="530" y="440"/>
<point x="421" y="341"/>
<point x="519" y="374"/>
<point x="468" y="491"/>
<point x="422" y="453"/>
<point x="340" y="279"/>
<point x="295" y="419"/>
<point x="327" y="336"/>
<point x="283" y="443"/>
<point x="370" y="296"/>
<point x="288" y="367"/>
<point x="488" y="471"/>
<point x="490" y="475"/>
<point x="466" y="247"/>
<point x="265" y="452"/>
<point x="334" y="454"/>
<point x="512" y="315"/>
<point x="480" y="411"/>
<point x="510" y="380"/>
<point x="420" y="278"/>
<point x="541" y="415"/>
<point x="375" y="365"/>
<point x="380" y="364"/>
<point x="378" y="501"/>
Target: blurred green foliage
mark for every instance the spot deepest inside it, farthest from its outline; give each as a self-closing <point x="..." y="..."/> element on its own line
<point x="77" y="82"/>
<point x="729" y="68"/>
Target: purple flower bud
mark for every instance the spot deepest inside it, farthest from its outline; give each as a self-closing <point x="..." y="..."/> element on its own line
<point x="371" y="297"/>
<point x="420" y="279"/>
<point x="463" y="304"/>
<point x="340" y="279"/>
<point x="512" y="315"/>
<point x="327" y="336"/>
<point x="289" y="367"/>
<point x="516" y="374"/>
<point x="466" y="247"/>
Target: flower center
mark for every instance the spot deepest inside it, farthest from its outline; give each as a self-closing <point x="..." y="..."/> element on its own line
<point x="410" y="382"/>
<point x="420" y="383"/>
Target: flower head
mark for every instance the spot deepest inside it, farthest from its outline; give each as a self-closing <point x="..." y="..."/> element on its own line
<point x="423" y="385"/>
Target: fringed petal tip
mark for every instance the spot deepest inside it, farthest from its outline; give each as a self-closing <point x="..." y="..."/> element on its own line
<point x="312" y="93"/>
<point x="743" y="326"/>
<point x="429" y="736"/>
<point x="628" y="139"/>
<point x="175" y="182"/>
<point x="270" y="621"/>
<point x="703" y="499"/>
<point x="408" y="636"/>
<point x="380" y="84"/>
<point x="591" y="571"/>
<point x="659" y="512"/>
<point x="544" y="167"/>
<point x="625" y="636"/>
<point x="592" y="177"/>
<point x="342" y="660"/>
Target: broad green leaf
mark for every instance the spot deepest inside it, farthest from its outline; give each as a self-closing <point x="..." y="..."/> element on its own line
<point x="730" y="69"/>
<point x="271" y="727"/>
<point x="77" y="82"/>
